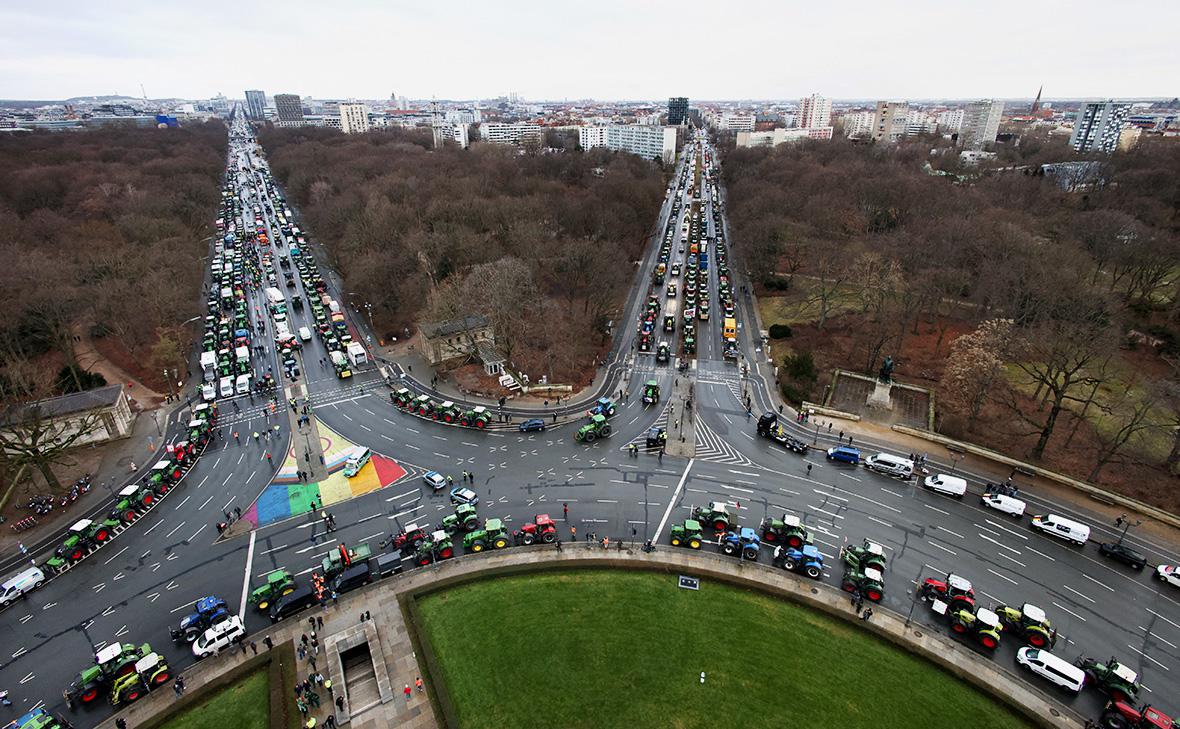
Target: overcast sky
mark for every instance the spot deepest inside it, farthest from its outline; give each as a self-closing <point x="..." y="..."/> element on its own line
<point x="603" y="49"/>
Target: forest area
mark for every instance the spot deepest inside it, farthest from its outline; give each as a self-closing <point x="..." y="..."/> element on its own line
<point x="102" y="233"/>
<point x="1045" y="321"/>
<point x="543" y="244"/>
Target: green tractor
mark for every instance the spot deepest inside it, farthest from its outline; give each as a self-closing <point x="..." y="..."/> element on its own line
<point x="1029" y="623"/>
<point x="596" y="428"/>
<point x="493" y="535"/>
<point x="163" y="475"/>
<point x="81" y="536"/>
<point x="870" y="582"/>
<point x="277" y="583"/>
<point x="401" y="397"/>
<point x="869" y="556"/>
<point x="437" y="548"/>
<point x="651" y="392"/>
<point x="112" y="662"/>
<point x="715" y="514"/>
<point x="1112" y="678"/>
<point x="133" y="500"/>
<point x="788" y="530"/>
<point x="476" y="417"/>
<point x="687" y="534"/>
<point x="423" y="405"/>
<point x="690" y="343"/>
<point x="448" y="412"/>
<point x="983" y="626"/>
<point x="464" y="518"/>
<point x="150" y="672"/>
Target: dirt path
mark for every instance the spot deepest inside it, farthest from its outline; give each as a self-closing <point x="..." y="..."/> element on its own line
<point x="92" y="360"/>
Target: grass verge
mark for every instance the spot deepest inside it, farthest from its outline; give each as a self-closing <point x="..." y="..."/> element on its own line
<point x="244" y="704"/>
<point x="618" y="649"/>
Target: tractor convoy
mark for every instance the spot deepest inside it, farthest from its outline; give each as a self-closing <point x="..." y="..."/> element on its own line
<point x="123" y="672"/>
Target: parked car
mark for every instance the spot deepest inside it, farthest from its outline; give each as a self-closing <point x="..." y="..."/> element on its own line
<point x="532" y="424"/>
<point x="1122" y="553"/>
<point x="435" y="480"/>
<point x="1062" y="528"/>
<point x="949" y="485"/>
<point x="844" y="454"/>
<point x="1061" y="673"/>
<point x="1006" y="504"/>
<point x="1168" y="573"/>
<point x="219" y="637"/>
<point x="302" y="598"/>
<point x="461" y="495"/>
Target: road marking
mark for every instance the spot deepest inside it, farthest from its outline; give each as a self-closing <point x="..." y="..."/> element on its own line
<point x="792" y="493"/>
<point x="20" y="653"/>
<point x="153" y="528"/>
<point x="194" y="536"/>
<point x="28" y="677"/>
<point x="999" y="544"/>
<point x="935" y="508"/>
<point x="824" y="511"/>
<point x="412" y="430"/>
<point x="184" y="501"/>
<point x="202" y="506"/>
<point x="673" y="499"/>
<point x="1040" y="553"/>
<point x="1148" y="657"/>
<point x="26" y="618"/>
<point x="826" y="495"/>
<point x="407" y="445"/>
<point x="738" y="488"/>
<point x="948" y="531"/>
<point x="742" y="473"/>
<point x="1161" y="617"/>
<point x="1096" y="582"/>
<point x="854" y="478"/>
<point x="1002" y="577"/>
<point x="879" y="521"/>
<point x="936" y="545"/>
<point x="178" y="526"/>
<point x="606" y="501"/>
<point x="1084" y="597"/>
<point x="1012" y="559"/>
<point x="109" y="611"/>
<point x="1006" y="529"/>
<point x="115" y="556"/>
<point x="1071" y="612"/>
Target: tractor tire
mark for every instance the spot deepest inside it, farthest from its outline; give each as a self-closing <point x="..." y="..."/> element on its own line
<point x="148" y="500"/>
<point x="957" y="627"/>
<point x="77" y="554"/>
<point x="102" y="535"/>
<point x="480" y="424"/>
<point x="446" y="553"/>
<point x="527" y="538"/>
<point x="675" y="541"/>
<point x="694" y="543"/>
<point x="133" y="695"/>
<point x="263" y="604"/>
<point x="477" y="546"/>
<point x="1119" y="695"/>
<point x="190" y="636"/>
<point x="790" y="564"/>
<point x="769" y="536"/>
<point x="729" y="548"/>
<point x="89" y="694"/>
<point x="161" y="489"/>
<point x="1036" y="640"/>
<point x="720" y="525"/>
<point x="814" y="572"/>
<point x="500" y="542"/>
<point x="750" y="554"/>
<point x="448" y="418"/>
<point x="548" y="537"/>
<point x="795" y="542"/>
<point x="471" y="525"/>
<point x="848" y="586"/>
<point x="874" y="595"/>
<point x="425" y="560"/>
<point x="1115" y="720"/>
<point x="287" y="591"/>
<point x="605" y="430"/>
<point x="129" y="515"/>
<point x="989" y="642"/>
<point x="161" y="678"/>
<point x="589" y="437"/>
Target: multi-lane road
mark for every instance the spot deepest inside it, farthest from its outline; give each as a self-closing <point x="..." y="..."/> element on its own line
<point x="135" y="588"/>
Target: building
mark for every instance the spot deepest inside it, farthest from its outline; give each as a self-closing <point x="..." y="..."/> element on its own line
<point x="814" y="112"/>
<point x="858" y="124"/>
<point x="471" y="336"/>
<point x="653" y="143"/>
<point x="256" y="105"/>
<point x="464" y="116"/>
<point x="775" y="137"/>
<point x="981" y="123"/>
<point x="518" y="134"/>
<point x="1099" y="126"/>
<point x="734" y="121"/>
<point x="950" y="121"/>
<point x="289" y="110"/>
<point x="919" y="122"/>
<point x="677" y="110"/>
<point x="103" y="414"/>
<point x="456" y="133"/>
<point x="591" y="137"/>
<point x="354" y="118"/>
<point x="889" y="121"/>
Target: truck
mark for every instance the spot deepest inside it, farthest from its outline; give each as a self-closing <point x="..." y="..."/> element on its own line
<point x="209" y="366"/>
<point x="357" y="354"/>
<point x="343" y="557"/>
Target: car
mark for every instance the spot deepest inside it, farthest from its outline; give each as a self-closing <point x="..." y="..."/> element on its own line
<point x="944" y="484"/>
<point x="461" y="495"/>
<point x="1122" y="553"/>
<point x="305" y="334"/>
<point x="531" y="425"/>
<point x="1011" y="506"/>
<point x="435" y="480"/>
<point x="1062" y="674"/>
<point x="1168" y="573"/>
<point x="220" y="636"/>
<point x="302" y="598"/>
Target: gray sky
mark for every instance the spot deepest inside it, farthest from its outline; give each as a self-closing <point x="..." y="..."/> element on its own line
<point x="605" y="49"/>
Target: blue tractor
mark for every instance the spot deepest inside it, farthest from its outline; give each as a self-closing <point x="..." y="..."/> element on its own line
<point x="744" y="542"/>
<point x="807" y="560"/>
<point x="605" y="407"/>
<point x="208" y="611"/>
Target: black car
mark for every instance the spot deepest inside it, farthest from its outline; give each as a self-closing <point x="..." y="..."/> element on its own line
<point x="302" y="598"/>
<point x="1122" y="553"/>
<point x="352" y="578"/>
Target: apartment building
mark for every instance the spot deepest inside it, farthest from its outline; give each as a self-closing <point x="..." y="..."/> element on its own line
<point x="354" y="118"/>
<point x="889" y="121"/>
<point x="517" y="134"/>
<point x="981" y="123"/>
<point x="649" y="142"/>
<point x="1099" y="127"/>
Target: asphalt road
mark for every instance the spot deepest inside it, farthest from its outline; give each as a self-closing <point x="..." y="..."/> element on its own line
<point x="135" y="588"/>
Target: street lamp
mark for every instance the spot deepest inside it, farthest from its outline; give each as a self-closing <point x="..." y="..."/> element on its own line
<point x="957" y="454"/>
<point x="1126" y="524"/>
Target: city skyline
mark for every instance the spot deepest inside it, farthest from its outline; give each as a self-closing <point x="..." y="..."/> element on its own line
<point x="366" y="51"/>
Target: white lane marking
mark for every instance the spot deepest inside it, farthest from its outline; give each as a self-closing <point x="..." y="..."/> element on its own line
<point x="880" y="521"/>
<point x="194" y="536"/>
<point x="401" y="496"/>
<point x="1002" y="577"/>
<point x="115" y="556"/>
<point x="854" y="478"/>
<point x="825" y="494"/>
<point x="823" y="511"/>
<point x="1161" y="617"/>
<point x="1011" y="559"/>
<point x="1006" y="529"/>
<point x="948" y="531"/>
<point x="606" y="501"/>
<point x="1156" y="637"/>
<point x="174" y="529"/>
<point x="935" y="508"/>
<point x="1096" y="582"/>
<point x="153" y="528"/>
<point x="184" y="501"/>
<point x="1071" y="612"/>
<point x="936" y="545"/>
<point x="741" y="473"/>
<point x="999" y="544"/>
<point x="738" y="488"/>
<point x="672" y="501"/>
<point x="207" y="501"/>
<point x="1084" y="597"/>
<point x="407" y="445"/>
<point x="1148" y="657"/>
<point x="1040" y="553"/>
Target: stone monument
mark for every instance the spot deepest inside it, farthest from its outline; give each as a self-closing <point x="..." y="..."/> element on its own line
<point x="880" y="398"/>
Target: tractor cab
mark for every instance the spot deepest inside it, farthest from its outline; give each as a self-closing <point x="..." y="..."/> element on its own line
<point x="651" y="392"/>
<point x="604" y="406"/>
<point x="423" y="405"/>
<point x="447" y="412"/>
<point x="1030" y="623"/>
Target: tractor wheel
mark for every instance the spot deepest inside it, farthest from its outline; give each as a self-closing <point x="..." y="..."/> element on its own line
<point x="528" y="538"/>
<point x="263" y="604"/>
<point x="448" y="418"/>
<point x="480" y="424"/>
<point x="720" y="525"/>
<point x="161" y="678"/>
<point x="605" y="430"/>
<point x="790" y="564"/>
<point x="190" y="635"/>
<point x="814" y="572"/>
<point x="989" y="642"/>
<point x="769" y="536"/>
<point x="848" y="586"/>
<point x="446" y="552"/>
<point x="675" y="541"/>
<point x="589" y="437"/>
<point x="694" y="543"/>
<point x="422" y="411"/>
<point x="548" y="537"/>
<point x="129" y="515"/>
<point x="1115" y="720"/>
<point x="1036" y="640"/>
<point x="90" y="693"/>
<point x="148" y="499"/>
<point x="425" y="560"/>
<point x="500" y="542"/>
<point x="957" y="627"/>
<point x="729" y="548"/>
<point x="795" y="541"/>
<point x="133" y="695"/>
<point x="102" y="535"/>
<point x="77" y="554"/>
<point x="874" y="594"/>
<point x="750" y="553"/>
<point x="162" y="489"/>
<point x="477" y="546"/>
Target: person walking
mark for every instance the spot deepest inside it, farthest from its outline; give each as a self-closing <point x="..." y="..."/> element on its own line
<point x="254" y="647"/>
<point x="418" y="684"/>
<point x="120" y="723"/>
<point x="319" y="621"/>
<point x="268" y="642"/>
<point x="868" y="613"/>
<point x="808" y="470"/>
<point x="557" y="543"/>
<point x="565" y="511"/>
<point x="340" y="702"/>
<point x="407" y="692"/>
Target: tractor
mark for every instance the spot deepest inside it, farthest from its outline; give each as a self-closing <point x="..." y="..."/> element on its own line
<point x="464" y="518"/>
<point x="806" y="559"/>
<point x="437" y="548"/>
<point x="954" y="591"/>
<point x="690" y="343"/>
<point x="651" y="392"/>
<point x="541" y="529"/>
<point x="787" y="529"/>
<point x="401" y="397"/>
<point x="448" y="412"/>
<point x="687" y="534"/>
<point x="207" y="612"/>
<point x="670" y="323"/>
<point x="477" y="417"/>
<point x="83" y="534"/>
<point x="744" y="542"/>
<point x="1123" y="715"/>
<point x="1029" y="623"/>
<point x="408" y="539"/>
<point x="869" y="555"/>
<point x="596" y="428"/>
<point x="715" y="513"/>
<point x="132" y="501"/>
<point x="663" y="353"/>
<point x="870" y="582"/>
<point x="149" y="672"/>
<point x="162" y="475"/>
<point x="341" y="558"/>
<point x="1112" y="678"/>
<point x="605" y="406"/>
<point x="423" y="405"/>
<point x="492" y="535"/>
<point x="39" y="718"/>
<point x="277" y="583"/>
<point x="982" y="624"/>
<point x="113" y="661"/>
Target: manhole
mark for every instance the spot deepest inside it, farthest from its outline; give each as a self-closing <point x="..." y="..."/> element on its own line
<point x="1054" y="712"/>
<point x="917" y="634"/>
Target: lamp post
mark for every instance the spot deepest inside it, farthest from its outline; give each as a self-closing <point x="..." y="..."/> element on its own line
<point x="1126" y="524"/>
<point x="956" y="456"/>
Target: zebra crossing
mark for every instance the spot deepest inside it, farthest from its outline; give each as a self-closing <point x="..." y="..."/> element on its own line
<point x="714" y="448"/>
<point x="640" y="441"/>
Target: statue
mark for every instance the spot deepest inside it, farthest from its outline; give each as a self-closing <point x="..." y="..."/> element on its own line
<point x="886" y="373"/>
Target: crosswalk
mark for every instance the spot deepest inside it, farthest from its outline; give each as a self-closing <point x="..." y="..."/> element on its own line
<point x="712" y="447"/>
<point x="640" y="441"/>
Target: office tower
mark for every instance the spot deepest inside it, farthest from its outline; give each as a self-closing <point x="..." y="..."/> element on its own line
<point x="677" y="110"/>
<point x="1099" y="126"/>
<point x="289" y="109"/>
<point x="981" y="123"/>
<point x="256" y="105"/>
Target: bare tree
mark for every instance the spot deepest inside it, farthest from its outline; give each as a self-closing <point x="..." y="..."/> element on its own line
<point x="975" y="361"/>
<point x="830" y="273"/>
<point x="32" y="437"/>
<point x="1130" y="412"/>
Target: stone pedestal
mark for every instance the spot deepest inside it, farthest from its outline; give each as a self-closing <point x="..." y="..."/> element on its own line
<point x="879" y="399"/>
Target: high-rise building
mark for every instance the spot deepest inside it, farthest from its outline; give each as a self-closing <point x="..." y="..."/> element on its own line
<point x="890" y="120"/>
<point x="814" y="112"/>
<point x="950" y="121"/>
<point x="858" y="124"/>
<point x="1036" y="105"/>
<point x="354" y="118"/>
<point x="256" y="105"/>
<point x="919" y="122"/>
<point x="500" y="133"/>
<point x="981" y="123"/>
<point x="1099" y="126"/>
<point x="643" y="140"/>
<point x="289" y="109"/>
<point x="677" y="110"/>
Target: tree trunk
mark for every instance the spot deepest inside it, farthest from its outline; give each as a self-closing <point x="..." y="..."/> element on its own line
<point x="1173" y="460"/>
<point x="48" y="474"/>
<point x="1038" y="450"/>
<point x="1081" y="417"/>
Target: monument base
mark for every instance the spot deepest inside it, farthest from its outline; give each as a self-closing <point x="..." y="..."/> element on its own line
<point x="880" y="398"/>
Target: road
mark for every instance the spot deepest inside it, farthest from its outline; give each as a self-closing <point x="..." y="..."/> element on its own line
<point x="135" y="588"/>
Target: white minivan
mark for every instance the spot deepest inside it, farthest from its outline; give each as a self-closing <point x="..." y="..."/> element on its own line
<point x="16" y="586"/>
<point x="890" y="465"/>
<point x="242" y="387"/>
<point x="1062" y="528"/>
<point x="226" y="387"/>
<point x="305" y="334"/>
<point x="949" y="485"/>
<point x="1006" y="504"/>
<point x="1061" y="673"/>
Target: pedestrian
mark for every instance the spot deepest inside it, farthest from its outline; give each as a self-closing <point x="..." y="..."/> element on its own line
<point x="367" y="616"/>
<point x="450" y="481"/>
<point x="868" y="613"/>
<point x="304" y="640"/>
<point x="330" y="722"/>
<point x="319" y="621"/>
<point x="311" y="623"/>
<point x="254" y="647"/>
<point x="362" y="617"/>
<point x="749" y="413"/>
<point x="808" y="470"/>
<point x="328" y="685"/>
<point x="340" y="702"/>
<point x="319" y="678"/>
<point x="268" y="642"/>
<point x="302" y="652"/>
<point x="418" y="684"/>
<point x="573" y="533"/>
<point x="829" y="427"/>
<point x="841" y="436"/>
<point x="120" y="723"/>
<point x="407" y="692"/>
<point x="565" y="511"/>
<point x="237" y="512"/>
<point x="850" y="439"/>
<point x="557" y="543"/>
<point x="298" y="689"/>
<point x="780" y="409"/>
<point x="555" y="417"/>
<point x="311" y="660"/>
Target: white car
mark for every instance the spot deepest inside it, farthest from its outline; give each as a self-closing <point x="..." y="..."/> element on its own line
<point x="1011" y="506"/>
<point x="220" y="636"/>
<point x="949" y="485"/>
<point x="1169" y="573"/>
<point x="305" y="334"/>
<point x="435" y="480"/>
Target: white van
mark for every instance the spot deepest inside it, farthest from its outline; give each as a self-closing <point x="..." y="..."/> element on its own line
<point x="890" y="465"/>
<point x="208" y="393"/>
<point x="243" y="385"/>
<point x="1060" y="673"/>
<point x="22" y="582"/>
<point x="356" y="462"/>
<point x="1062" y="528"/>
<point x="949" y="485"/>
<point x="226" y="387"/>
<point x="1006" y="504"/>
<point x="305" y="334"/>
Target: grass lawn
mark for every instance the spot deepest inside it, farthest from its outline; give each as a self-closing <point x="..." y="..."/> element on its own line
<point x="621" y="649"/>
<point x="243" y="705"/>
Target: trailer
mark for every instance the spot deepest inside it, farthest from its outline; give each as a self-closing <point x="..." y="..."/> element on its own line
<point x="357" y="354"/>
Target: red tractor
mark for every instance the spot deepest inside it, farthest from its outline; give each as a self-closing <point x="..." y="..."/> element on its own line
<point x="542" y="529"/>
<point x="955" y="591"/>
<point x="1121" y="715"/>
<point x="408" y="540"/>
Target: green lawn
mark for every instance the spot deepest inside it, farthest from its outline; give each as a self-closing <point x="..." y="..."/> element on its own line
<point x="243" y="705"/>
<point x="620" y="649"/>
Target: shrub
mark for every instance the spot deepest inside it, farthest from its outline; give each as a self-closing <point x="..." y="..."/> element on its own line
<point x="779" y="331"/>
<point x="800" y="366"/>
